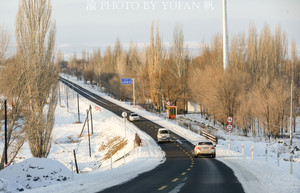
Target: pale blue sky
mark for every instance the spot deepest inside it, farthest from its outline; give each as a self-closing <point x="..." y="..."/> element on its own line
<point x="79" y="28"/>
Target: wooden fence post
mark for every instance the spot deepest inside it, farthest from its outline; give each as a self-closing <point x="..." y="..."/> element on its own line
<point x="75" y="161"/>
<point x="92" y="127"/>
<point x="59" y="94"/>
<point x="87" y="115"/>
<point x="67" y="91"/>
<point x="87" y="112"/>
<point x="78" y="108"/>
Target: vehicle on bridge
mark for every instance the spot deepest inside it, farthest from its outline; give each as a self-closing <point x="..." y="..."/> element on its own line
<point x="163" y="134"/>
<point x="134" y="117"/>
<point x="205" y="148"/>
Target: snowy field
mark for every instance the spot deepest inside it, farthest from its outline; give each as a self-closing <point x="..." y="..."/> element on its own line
<point x="257" y="175"/>
<point x="273" y="152"/>
<point x="109" y="135"/>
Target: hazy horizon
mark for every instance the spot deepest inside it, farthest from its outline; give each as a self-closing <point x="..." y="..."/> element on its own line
<point x="91" y="24"/>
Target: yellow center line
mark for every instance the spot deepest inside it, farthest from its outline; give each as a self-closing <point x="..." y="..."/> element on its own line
<point x="191" y="166"/>
<point x="188" y="169"/>
<point x="161" y="188"/>
<point x="175" y="179"/>
<point x="183" y="173"/>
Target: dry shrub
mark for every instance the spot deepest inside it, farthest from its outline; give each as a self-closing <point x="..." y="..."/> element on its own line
<point x="113" y="146"/>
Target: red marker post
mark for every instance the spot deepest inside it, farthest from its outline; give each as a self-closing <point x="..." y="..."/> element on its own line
<point x="97" y="108"/>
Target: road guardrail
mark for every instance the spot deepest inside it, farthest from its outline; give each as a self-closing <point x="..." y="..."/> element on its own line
<point x="209" y="137"/>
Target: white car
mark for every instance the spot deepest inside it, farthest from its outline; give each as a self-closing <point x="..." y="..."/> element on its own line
<point x="163" y="134"/>
<point x="134" y="117"/>
<point x="205" y="148"/>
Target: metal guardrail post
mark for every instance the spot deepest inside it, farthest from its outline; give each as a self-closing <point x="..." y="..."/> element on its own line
<point x="209" y="137"/>
<point x="243" y="149"/>
<point x="137" y="140"/>
<point x="291" y="164"/>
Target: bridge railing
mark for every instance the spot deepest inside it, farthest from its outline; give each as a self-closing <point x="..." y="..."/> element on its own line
<point x="209" y="137"/>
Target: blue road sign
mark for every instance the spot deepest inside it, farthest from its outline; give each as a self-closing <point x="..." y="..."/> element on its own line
<point x="125" y="80"/>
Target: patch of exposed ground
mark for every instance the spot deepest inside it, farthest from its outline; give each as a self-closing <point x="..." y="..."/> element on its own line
<point x="112" y="147"/>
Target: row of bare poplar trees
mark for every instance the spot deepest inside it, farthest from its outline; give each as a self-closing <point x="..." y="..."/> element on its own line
<point x="152" y="67"/>
<point x="29" y="79"/>
<point x="255" y="91"/>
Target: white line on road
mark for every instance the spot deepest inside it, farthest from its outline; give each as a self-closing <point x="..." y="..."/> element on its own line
<point x="178" y="141"/>
<point x="177" y="188"/>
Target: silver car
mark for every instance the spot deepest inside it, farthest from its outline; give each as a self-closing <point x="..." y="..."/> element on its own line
<point x="163" y="134"/>
<point x="205" y="148"/>
<point x="134" y="117"/>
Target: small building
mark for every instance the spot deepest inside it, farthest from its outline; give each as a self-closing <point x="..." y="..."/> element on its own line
<point x="193" y="107"/>
<point x="171" y="112"/>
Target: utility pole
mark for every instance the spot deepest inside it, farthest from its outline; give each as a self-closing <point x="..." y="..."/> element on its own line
<point x="5" y="143"/>
<point x="225" y="38"/>
<point x="133" y="90"/>
<point x="291" y="113"/>
<point x="67" y="93"/>
<point x="78" y="108"/>
<point x="92" y="125"/>
<point x="89" y="137"/>
<point x="59" y="94"/>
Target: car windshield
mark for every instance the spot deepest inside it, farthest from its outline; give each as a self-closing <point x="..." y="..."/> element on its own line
<point x="134" y="115"/>
<point x="163" y="131"/>
<point x="205" y="143"/>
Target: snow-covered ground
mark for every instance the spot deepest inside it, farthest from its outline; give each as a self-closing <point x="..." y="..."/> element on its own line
<point x="109" y="137"/>
<point x="264" y="150"/>
<point x="257" y="175"/>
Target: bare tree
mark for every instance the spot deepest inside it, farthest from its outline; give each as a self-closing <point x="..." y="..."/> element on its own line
<point x="271" y="106"/>
<point x="252" y="48"/>
<point x="12" y="79"/>
<point x="179" y="59"/>
<point x="59" y="59"/>
<point x="295" y="78"/>
<point x="35" y="34"/>
<point x="143" y="77"/>
<point x="155" y="65"/>
<point x="11" y="88"/>
<point x="4" y="43"/>
<point x="89" y="74"/>
<point x="96" y="61"/>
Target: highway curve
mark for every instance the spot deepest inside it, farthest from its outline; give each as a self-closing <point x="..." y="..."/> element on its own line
<point x="181" y="172"/>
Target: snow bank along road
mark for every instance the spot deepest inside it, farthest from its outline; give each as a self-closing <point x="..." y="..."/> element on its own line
<point x="180" y="172"/>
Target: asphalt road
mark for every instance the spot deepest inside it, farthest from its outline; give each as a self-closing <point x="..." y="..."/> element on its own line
<point x="181" y="172"/>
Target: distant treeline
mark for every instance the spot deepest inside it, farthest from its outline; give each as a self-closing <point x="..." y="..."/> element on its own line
<point x="256" y="90"/>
